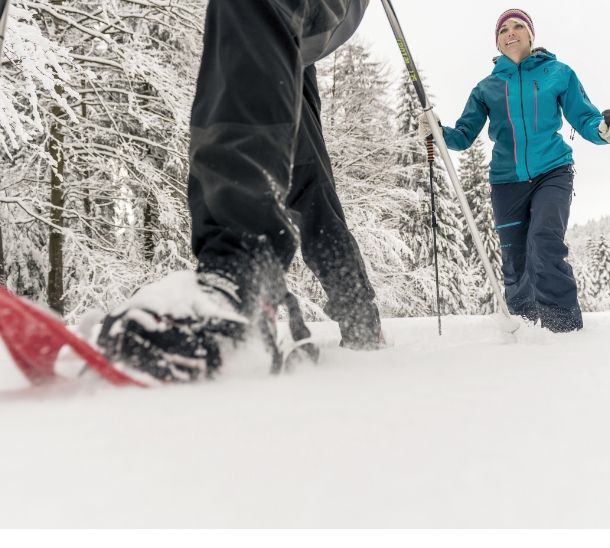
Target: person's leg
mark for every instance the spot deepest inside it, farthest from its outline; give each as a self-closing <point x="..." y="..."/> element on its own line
<point x="554" y="284"/>
<point x="511" y="206"/>
<point x="243" y="130"/>
<point x="245" y="119"/>
<point x="328" y="247"/>
<point x="243" y="126"/>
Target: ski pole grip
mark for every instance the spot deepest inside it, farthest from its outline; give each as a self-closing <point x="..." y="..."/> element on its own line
<point x="430" y="148"/>
<point x="606" y="115"/>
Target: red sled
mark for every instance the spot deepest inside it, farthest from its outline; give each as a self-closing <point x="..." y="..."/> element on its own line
<point x="34" y="340"/>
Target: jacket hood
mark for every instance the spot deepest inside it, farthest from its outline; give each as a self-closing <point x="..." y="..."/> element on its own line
<point x="539" y="55"/>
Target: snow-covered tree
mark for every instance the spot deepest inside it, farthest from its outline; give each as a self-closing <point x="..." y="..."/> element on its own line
<point x="591" y="264"/>
<point x="363" y="144"/>
<point x="473" y="172"/>
<point x="415" y="223"/>
<point x="33" y="65"/>
<point x="100" y="165"/>
<point x="584" y="281"/>
<point x="600" y="262"/>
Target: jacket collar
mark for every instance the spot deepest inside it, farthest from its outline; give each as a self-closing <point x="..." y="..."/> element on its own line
<point x="503" y="65"/>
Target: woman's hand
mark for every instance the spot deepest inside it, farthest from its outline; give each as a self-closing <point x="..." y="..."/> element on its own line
<point x="423" y="128"/>
<point x="604" y="127"/>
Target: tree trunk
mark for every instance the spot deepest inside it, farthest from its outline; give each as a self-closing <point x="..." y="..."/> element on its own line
<point x="87" y="199"/>
<point x="55" y="288"/>
<point x="3" y="272"/>
<point x="150" y="222"/>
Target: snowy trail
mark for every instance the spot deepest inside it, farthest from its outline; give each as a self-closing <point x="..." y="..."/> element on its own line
<point x="465" y="430"/>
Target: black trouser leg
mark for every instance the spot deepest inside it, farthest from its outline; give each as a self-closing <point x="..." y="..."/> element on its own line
<point x="243" y="127"/>
<point x="328" y="247"/>
<point x="245" y="120"/>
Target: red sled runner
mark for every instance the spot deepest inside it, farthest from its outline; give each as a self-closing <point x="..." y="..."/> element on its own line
<point x="34" y="340"/>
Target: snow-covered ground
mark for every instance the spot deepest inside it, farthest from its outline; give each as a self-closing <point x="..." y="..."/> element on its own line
<point x="467" y="430"/>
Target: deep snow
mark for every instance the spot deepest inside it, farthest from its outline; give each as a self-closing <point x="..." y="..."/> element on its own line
<point x="467" y="430"/>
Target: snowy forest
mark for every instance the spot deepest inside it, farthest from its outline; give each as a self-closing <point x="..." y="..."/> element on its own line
<point x="95" y="97"/>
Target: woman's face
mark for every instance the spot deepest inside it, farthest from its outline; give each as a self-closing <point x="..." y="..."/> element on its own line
<point x="514" y="40"/>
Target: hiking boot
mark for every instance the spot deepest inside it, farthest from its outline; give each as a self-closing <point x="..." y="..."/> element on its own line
<point x="560" y="320"/>
<point x="176" y="329"/>
<point x="361" y="328"/>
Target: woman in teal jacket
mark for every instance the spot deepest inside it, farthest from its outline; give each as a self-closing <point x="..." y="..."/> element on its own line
<point x="531" y="168"/>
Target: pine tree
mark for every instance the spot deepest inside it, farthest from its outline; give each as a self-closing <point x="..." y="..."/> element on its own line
<point x="601" y="273"/>
<point x="583" y="273"/>
<point x="415" y="224"/>
<point x="592" y="272"/>
<point x="473" y="172"/>
<point x="363" y="145"/>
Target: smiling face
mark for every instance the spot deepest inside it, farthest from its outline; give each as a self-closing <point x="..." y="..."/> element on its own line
<point x="514" y="40"/>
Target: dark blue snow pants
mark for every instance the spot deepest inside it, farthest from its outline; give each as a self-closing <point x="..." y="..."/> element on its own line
<point x="531" y="220"/>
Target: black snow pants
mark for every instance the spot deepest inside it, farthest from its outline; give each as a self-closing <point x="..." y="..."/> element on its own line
<point x="260" y="171"/>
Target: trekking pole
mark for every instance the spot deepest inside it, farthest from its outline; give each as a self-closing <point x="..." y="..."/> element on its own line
<point x="430" y="149"/>
<point x="512" y="324"/>
<point x="3" y="19"/>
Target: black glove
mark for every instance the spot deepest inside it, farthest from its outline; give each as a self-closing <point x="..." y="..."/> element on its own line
<point x="604" y="127"/>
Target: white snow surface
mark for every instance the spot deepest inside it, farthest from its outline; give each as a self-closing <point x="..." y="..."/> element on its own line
<point x="471" y="429"/>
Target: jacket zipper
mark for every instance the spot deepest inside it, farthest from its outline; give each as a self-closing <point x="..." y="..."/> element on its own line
<point x="523" y="119"/>
<point x="511" y="123"/>
<point x="535" y="106"/>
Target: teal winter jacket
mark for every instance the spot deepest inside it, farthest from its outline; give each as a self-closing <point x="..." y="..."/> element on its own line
<point x="524" y="103"/>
